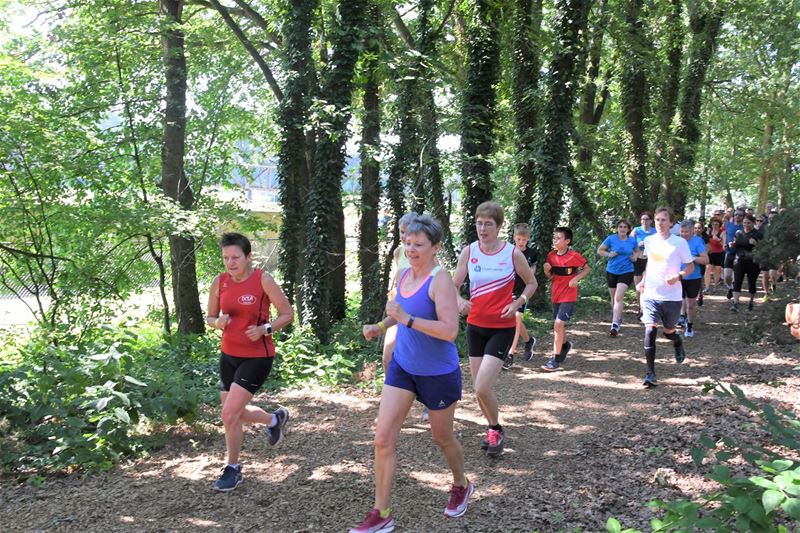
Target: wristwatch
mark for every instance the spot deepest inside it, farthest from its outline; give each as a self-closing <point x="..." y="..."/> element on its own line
<point x="410" y="322"/>
<point x="267" y="329"/>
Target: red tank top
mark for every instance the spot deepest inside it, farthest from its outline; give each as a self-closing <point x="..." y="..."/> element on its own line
<point x="248" y="305"/>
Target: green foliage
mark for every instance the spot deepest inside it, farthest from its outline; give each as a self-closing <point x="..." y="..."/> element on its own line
<point x="85" y="404"/>
<point x="781" y="241"/>
<point x="767" y="502"/>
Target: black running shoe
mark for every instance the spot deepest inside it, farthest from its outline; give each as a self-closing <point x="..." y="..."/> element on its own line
<point x="565" y="349"/>
<point x="530" y="344"/>
<point x="230" y="479"/>
<point x="650" y="380"/>
<point x="276" y="433"/>
<point x="750" y="306"/>
<point x="680" y="354"/>
<point x="508" y="361"/>
<point x="730" y="294"/>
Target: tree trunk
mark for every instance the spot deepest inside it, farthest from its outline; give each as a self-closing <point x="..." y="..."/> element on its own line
<point x="670" y="90"/>
<point x="634" y="102"/>
<point x="554" y="170"/>
<point x="173" y="178"/>
<point x="687" y="133"/>
<point x="323" y="278"/>
<point x="766" y="165"/>
<point x="526" y="65"/>
<point x="292" y="155"/>
<point x="479" y="111"/>
<point x="373" y="297"/>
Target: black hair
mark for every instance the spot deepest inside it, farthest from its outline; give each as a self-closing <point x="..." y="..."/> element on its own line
<point x="236" y="239"/>
<point x="566" y="232"/>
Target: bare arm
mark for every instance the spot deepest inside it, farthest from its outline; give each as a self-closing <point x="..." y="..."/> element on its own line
<point x="523" y="271"/>
<point x="213" y="316"/>
<point x="279" y="301"/>
<point x="459" y="276"/>
<point x="701" y="259"/>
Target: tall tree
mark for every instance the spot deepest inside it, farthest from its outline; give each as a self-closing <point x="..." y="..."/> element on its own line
<point x="554" y="170"/>
<point x="372" y="293"/>
<point x="705" y="26"/>
<point x="479" y="110"/>
<point x="293" y="168"/>
<point x="173" y="178"/>
<point x="324" y="275"/>
<point x="634" y="95"/>
<point x="527" y="20"/>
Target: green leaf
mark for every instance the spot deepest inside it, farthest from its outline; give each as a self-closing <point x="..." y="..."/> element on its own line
<point x="102" y="403"/>
<point x="134" y="381"/>
<point x="708" y="442"/>
<point x="698" y="455"/>
<point x="122" y="415"/>
<point x="764" y="483"/>
<point x="771" y="499"/>
<point x="613" y="525"/>
<point x="122" y="396"/>
<point x="742" y="503"/>
<point x="792" y="507"/>
<point x="782" y="464"/>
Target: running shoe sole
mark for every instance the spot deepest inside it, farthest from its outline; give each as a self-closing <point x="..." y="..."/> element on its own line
<point x="470" y="490"/>
<point x="229" y="489"/>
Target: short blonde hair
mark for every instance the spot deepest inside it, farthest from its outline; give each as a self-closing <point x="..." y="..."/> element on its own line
<point x="522" y="229"/>
<point x="492" y="210"/>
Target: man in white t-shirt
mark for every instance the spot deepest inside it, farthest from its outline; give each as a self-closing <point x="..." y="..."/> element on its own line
<point x="662" y="293"/>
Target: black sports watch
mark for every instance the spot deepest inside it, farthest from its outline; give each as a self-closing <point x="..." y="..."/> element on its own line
<point x="410" y="322"/>
<point x="267" y="329"/>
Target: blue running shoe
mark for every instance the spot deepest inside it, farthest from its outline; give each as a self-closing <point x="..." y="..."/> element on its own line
<point x="276" y="433"/>
<point x="650" y="380"/>
<point x="230" y="479"/>
<point x="551" y="365"/>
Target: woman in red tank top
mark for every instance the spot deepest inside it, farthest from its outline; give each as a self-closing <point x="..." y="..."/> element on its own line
<point x="239" y="304"/>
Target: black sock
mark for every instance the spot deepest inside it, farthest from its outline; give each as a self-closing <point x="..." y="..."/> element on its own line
<point x="675" y="337"/>
<point x="650" y="348"/>
<point x="497" y="427"/>
<point x="689" y="326"/>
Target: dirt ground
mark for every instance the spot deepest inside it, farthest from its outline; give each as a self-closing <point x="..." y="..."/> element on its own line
<point x="583" y="444"/>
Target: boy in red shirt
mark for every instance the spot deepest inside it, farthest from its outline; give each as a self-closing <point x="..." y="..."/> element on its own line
<point x="565" y="267"/>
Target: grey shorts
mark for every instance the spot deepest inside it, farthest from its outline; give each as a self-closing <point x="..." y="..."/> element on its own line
<point x="658" y="312"/>
<point x="563" y="311"/>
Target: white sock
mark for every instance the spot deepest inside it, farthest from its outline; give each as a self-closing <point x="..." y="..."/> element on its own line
<point x="274" y="421"/>
<point x="234" y="465"/>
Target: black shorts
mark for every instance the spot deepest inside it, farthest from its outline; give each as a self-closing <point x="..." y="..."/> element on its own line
<point x="247" y="372"/>
<point x="614" y="279"/>
<point x="691" y="287"/>
<point x="716" y="259"/>
<point x="639" y="266"/>
<point x="729" y="260"/>
<point x="521" y="308"/>
<point x="489" y="341"/>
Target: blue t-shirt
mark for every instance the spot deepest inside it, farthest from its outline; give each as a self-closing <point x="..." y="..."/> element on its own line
<point x="730" y="232"/>
<point x="696" y="246"/>
<point x="620" y="263"/>
<point x="640" y="234"/>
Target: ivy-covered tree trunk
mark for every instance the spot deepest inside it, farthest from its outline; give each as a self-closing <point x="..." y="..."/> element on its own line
<point x="526" y="65"/>
<point x="373" y="296"/>
<point x="590" y="111"/>
<point x="173" y="178"/>
<point x="670" y="89"/>
<point x="430" y="157"/>
<point x="323" y="278"/>
<point x="634" y="100"/>
<point x="687" y="133"/>
<point x="479" y="110"/>
<point x="554" y="170"/>
<point x="292" y="163"/>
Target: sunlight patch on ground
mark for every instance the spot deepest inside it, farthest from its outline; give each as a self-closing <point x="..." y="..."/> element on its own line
<point x="432" y="480"/>
<point x="683" y="420"/>
<point x="127" y="519"/>
<point x="327" y="472"/>
<point x="199" y="522"/>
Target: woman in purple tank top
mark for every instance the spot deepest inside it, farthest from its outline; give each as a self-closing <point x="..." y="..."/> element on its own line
<point x="424" y="366"/>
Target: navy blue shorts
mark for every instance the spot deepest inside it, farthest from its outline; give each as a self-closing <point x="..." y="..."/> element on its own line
<point x="434" y="392"/>
<point x="639" y="266"/>
<point x="563" y="311"/>
<point x="658" y="312"/>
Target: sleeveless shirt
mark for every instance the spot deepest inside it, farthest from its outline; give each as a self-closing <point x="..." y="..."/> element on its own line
<point x="248" y="305"/>
<point x="491" y="285"/>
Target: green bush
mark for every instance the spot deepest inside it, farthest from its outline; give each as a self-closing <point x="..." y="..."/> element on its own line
<point x="83" y="405"/>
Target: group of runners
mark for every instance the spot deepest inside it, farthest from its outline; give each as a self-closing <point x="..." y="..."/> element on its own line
<point x="421" y="325"/>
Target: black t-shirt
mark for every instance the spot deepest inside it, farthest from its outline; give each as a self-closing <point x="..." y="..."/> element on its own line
<point x="531" y="258"/>
<point x="742" y="244"/>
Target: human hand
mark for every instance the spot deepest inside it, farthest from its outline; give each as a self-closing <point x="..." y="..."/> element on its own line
<point x="509" y="311"/>
<point x="254" y="332"/>
<point x="640" y="286"/>
<point x="222" y="321"/>
<point x="464" y="306"/>
<point x="371" y="331"/>
<point x="672" y="279"/>
<point x="612" y="254"/>
<point x="396" y="311"/>
<point x="546" y="267"/>
<point x="573" y="282"/>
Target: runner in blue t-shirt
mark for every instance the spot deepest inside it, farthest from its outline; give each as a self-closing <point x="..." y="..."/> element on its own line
<point x="640" y="233"/>
<point x="622" y="252"/>
<point x="692" y="283"/>
<point x="730" y="236"/>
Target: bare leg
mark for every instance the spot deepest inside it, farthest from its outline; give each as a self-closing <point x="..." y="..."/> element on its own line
<point x="445" y="439"/>
<point x="234" y="403"/>
<point x="618" y="299"/>
<point x="395" y="404"/>
<point x="484" y="372"/>
<point x="559" y="335"/>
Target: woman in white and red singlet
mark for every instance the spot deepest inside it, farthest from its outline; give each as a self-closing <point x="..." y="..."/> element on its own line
<point x="491" y="264"/>
<point x="239" y="304"/>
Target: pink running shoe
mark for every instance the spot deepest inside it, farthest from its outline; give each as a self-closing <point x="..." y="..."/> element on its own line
<point x="373" y="523"/>
<point x="496" y="443"/>
<point x="459" y="500"/>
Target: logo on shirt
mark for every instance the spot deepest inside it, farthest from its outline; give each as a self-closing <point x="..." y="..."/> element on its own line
<point x="247" y="299"/>
<point x="477" y="268"/>
<point x="474" y="260"/>
<point x="442" y="404"/>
